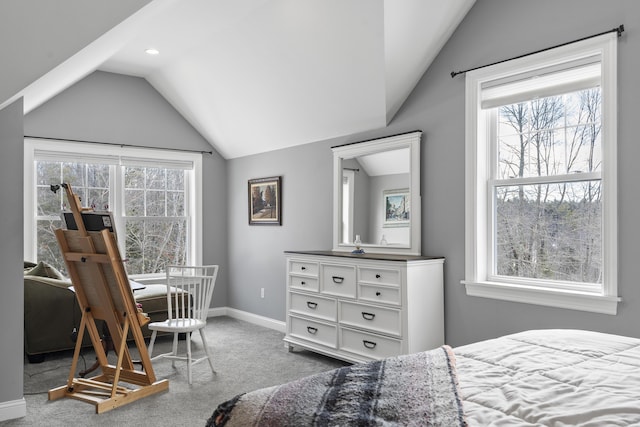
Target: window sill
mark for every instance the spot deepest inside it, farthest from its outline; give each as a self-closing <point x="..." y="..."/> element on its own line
<point x="543" y="296"/>
<point x="148" y="279"/>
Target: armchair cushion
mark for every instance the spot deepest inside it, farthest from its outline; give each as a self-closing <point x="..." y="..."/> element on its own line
<point x="50" y="314"/>
<point x="153" y="298"/>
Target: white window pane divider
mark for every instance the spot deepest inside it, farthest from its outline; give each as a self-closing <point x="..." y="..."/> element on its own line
<point x="549" y="179"/>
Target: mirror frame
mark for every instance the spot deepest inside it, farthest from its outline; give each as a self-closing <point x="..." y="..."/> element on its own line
<point x="409" y="140"/>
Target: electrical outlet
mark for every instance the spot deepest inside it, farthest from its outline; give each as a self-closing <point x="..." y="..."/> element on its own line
<point x="261" y="292"/>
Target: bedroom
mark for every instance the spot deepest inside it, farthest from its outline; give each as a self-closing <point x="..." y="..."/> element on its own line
<point x="437" y="107"/>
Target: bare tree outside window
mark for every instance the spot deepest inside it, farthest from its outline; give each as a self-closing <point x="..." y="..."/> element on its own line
<point x="549" y="227"/>
<point x="155" y="219"/>
<point x="89" y="181"/>
<point x="155" y="216"/>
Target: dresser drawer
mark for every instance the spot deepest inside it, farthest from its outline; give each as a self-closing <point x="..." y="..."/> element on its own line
<point x="303" y="282"/>
<point x="311" y="305"/>
<point x="303" y="267"/>
<point x="369" y="345"/>
<point x="338" y="280"/>
<point x="380" y="294"/>
<point x="317" y="332"/>
<point x="373" y="318"/>
<point x="385" y="276"/>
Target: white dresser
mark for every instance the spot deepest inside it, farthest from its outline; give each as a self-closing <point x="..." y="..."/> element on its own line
<point x="364" y="307"/>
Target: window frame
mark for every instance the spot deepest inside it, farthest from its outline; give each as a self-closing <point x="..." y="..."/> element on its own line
<point x="120" y="156"/>
<point x="478" y="163"/>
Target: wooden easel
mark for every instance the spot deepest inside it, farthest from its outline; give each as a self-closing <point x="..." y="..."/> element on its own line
<point x="103" y="292"/>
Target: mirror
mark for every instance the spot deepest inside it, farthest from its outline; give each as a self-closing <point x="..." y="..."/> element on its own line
<point x="377" y="195"/>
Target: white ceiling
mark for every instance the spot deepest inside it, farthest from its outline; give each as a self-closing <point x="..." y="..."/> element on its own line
<point x="259" y="75"/>
<point x="386" y="163"/>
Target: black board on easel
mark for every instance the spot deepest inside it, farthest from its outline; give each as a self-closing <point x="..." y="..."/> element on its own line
<point x="93" y="220"/>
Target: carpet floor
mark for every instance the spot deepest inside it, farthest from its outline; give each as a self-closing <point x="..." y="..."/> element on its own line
<point x="246" y="357"/>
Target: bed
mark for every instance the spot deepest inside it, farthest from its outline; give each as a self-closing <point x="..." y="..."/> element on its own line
<point x="554" y="377"/>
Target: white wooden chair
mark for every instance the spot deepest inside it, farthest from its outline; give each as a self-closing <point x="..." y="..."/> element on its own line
<point x="189" y="293"/>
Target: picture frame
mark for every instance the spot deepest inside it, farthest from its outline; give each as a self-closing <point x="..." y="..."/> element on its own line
<point x="265" y="201"/>
<point x="397" y="208"/>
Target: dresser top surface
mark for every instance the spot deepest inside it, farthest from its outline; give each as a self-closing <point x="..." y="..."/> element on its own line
<point x="373" y="256"/>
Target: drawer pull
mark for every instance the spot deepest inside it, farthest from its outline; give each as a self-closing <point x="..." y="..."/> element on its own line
<point x="303" y="268"/>
<point x="312" y="305"/>
<point x="338" y="279"/>
<point x="369" y="344"/>
<point x="303" y="283"/>
<point x="368" y="316"/>
<point x="312" y="330"/>
<point x="377" y="276"/>
<point x="378" y="293"/>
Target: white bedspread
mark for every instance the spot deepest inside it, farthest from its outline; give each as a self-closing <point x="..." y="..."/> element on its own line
<point x="551" y="378"/>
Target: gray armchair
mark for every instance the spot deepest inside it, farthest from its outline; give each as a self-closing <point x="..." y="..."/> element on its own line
<point x="51" y="312"/>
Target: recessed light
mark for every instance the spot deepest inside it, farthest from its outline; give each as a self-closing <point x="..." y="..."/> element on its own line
<point x="152" y="51"/>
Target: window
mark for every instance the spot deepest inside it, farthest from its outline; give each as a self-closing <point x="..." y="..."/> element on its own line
<point x="541" y="182"/>
<point x="153" y="195"/>
<point x="348" y="200"/>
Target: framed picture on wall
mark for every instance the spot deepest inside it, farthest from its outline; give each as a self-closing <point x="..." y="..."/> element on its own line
<point x="265" y="207"/>
<point x="397" y="208"/>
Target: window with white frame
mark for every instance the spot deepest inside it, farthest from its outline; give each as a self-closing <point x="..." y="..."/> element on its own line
<point x="541" y="178"/>
<point x="153" y="195"/>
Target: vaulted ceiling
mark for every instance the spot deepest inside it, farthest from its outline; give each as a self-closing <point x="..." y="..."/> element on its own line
<point x="259" y="75"/>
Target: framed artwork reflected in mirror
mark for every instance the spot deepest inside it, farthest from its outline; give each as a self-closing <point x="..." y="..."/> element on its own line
<point x="397" y="208"/>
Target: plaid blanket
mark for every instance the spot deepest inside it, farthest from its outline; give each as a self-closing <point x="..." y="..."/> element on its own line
<point x="419" y="389"/>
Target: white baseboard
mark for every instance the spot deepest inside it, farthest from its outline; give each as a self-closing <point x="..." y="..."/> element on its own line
<point x="13" y="409"/>
<point x="256" y="319"/>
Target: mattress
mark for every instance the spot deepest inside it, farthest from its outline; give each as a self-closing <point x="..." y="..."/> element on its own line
<point x="551" y="378"/>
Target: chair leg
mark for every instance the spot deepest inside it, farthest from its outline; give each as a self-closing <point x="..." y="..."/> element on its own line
<point x="206" y="350"/>
<point x="189" y="355"/>
<point x="151" y="342"/>
<point x="174" y="349"/>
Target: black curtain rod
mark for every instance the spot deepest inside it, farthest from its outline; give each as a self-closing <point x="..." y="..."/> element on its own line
<point x="618" y="30"/>
<point x="119" y="145"/>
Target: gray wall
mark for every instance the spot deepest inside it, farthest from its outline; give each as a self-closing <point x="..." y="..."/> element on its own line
<point x="12" y="309"/>
<point x="115" y="108"/>
<point x="256" y="257"/>
<point x="493" y="30"/>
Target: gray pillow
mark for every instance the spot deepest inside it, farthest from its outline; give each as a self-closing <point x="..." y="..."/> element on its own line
<point x="42" y="269"/>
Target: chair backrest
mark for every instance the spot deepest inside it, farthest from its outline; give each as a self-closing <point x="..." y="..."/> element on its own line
<point x="189" y="290"/>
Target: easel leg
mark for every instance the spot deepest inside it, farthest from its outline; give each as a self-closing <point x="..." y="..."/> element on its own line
<point x="123" y="347"/>
<point x="76" y="352"/>
<point x="107" y="344"/>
